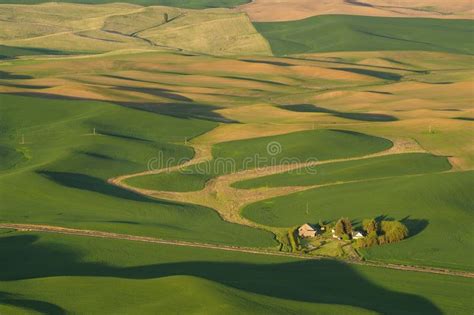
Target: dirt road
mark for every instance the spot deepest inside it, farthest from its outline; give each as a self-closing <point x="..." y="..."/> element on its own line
<point x="257" y="251"/>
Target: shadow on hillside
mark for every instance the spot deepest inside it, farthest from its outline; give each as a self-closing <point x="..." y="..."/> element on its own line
<point x="11" y="52"/>
<point x="85" y="182"/>
<point x="372" y="73"/>
<point x="464" y="118"/>
<point x="31" y="305"/>
<point x="165" y="93"/>
<point x="268" y="62"/>
<point x="4" y="75"/>
<point x="179" y="110"/>
<point x="121" y="77"/>
<point x="310" y="108"/>
<point x="121" y="136"/>
<point x="340" y="61"/>
<point x="379" y="92"/>
<point x="362" y="4"/>
<point x="253" y="80"/>
<point x="314" y="281"/>
<point x="25" y="86"/>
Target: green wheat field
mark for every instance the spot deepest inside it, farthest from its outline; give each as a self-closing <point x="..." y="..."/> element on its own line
<point x="164" y="156"/>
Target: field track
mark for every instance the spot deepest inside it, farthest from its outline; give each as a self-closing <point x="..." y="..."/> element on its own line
<point x="135" y="238"/>
<point x="218" y="193"/>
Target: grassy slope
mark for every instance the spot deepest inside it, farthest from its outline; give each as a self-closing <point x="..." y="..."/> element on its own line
<point x="103" y="28"/>
<point x="191" y="4"/>
<point x="8" y="52"/>
<point x="295" y="147"/>
<point x="435" y="207"/>
<point x="53" y="273"/>
<point x="362" y="33"/>
<point x="210" y="32"/>
<point x="385" y="166"/>
<point x="61" y="171"/>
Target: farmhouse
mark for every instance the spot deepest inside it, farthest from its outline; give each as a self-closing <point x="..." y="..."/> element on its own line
<point x="357" y="235"/>
<point x="307" y="230"/>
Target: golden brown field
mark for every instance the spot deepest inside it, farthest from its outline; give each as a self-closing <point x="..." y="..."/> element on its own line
<point x="287" y="10"/>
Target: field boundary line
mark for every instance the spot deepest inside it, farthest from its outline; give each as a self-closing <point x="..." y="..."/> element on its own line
<point x="219" y="195"/>
<point x="248" y="250"/>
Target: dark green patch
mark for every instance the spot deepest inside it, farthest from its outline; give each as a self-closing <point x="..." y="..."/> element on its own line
<point x="377" y="167"/>
<point x="444" y="200"/>
<point x="269" y="62"/>
<point x="11" y="52"/>
<point x="465" y="118"/>
<point x="328" y="33"/>
<point x="325" y="281"/>
<point x="310" y="108"/>
<point x="376" y="74"/>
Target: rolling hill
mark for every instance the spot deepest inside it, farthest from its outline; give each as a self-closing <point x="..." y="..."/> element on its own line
<point x="139" y="277"/>
<point x="148" y="150"/>
<point x="84" y="28"/>
<point x="190" y="4"/>
<point x="433" y="206"/>
<point x="363" y="33"/>
<point x="287" y="10"/>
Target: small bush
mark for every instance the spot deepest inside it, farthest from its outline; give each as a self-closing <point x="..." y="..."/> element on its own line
<point x="370" y="225"/>
<point x="393" y="231"/>
<point x="371" y="239"/>
<point x="293" y="239"/>
<point x="381" y="240"/>
<point x="343" y="226"/>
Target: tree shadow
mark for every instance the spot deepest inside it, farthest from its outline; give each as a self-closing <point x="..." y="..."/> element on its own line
<point x="94" y="184"/>
<point x="383" y="217"/>
<point x="313" y="281"/>
<point x="414" y="226"/>
<point x="310" y="108"/>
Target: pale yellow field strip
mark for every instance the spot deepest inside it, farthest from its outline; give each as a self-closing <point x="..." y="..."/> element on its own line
<point x="286" y="10"/>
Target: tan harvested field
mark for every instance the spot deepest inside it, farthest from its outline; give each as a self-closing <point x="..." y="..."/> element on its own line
<point x="230" y="132"/>
<point x="424" y="91"/>
<point x="286" y="10"/>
